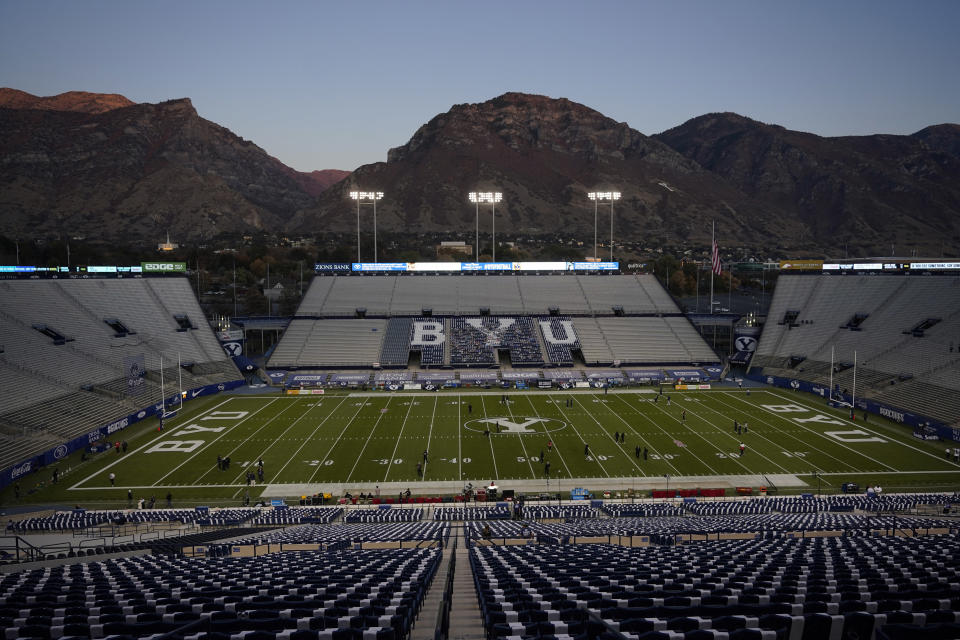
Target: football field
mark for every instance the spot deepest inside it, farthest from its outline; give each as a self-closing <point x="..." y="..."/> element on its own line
<point x="623" y="438"/>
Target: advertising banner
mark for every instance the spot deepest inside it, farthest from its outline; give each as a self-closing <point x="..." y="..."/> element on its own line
<point x="163" y="267"/>
<point x="916" y="421"/>
<point x="135" y="371"/>
<point x="12" y="474"/>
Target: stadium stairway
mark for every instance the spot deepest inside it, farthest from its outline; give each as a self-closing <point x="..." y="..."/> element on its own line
<point x="466" y="623"/>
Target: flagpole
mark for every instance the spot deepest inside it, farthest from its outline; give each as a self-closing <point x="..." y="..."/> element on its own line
<point x="180" y="379"/>
<point x="713" y="240"/>
<point x="853" y="397"/>
<point x="831" y="374"/>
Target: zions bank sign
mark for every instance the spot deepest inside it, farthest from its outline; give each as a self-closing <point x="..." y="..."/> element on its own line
<point x="164" y="267"/>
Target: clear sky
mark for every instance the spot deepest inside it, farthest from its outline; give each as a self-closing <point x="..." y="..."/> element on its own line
<point x="325" y="85"/>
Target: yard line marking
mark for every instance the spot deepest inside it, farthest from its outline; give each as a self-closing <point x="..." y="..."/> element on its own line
<point x="723" y="432"/>
<point x="802" y="442"/>
<point x="335" y="442"/>
<point x="820" y="435"/>
<point x="369" y="436"/>
<point x="520" y="438"/>
<point x="622" y="450"/>
<point x="143" y="446"/>
<point x="537" y="413"/>
<point x="702" y="437"/>
<point x="279" y="438"/>
<point x="396" y="444"/>
<point x="433" y="415"/>
<point x="555" y="446"/>
<point x="250" y="438"/>
<point x="459" y="439"/>
<point x="308" y="438"/>
<point x="206" y="446"/>
<point x="496" y="473"/>
<point x="646" y="417"/>
<point x="602" y="468"/>
<point x="905" y="443"/>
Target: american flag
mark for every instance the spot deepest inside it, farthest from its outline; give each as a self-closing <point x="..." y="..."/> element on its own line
<point x="715" y="260"/>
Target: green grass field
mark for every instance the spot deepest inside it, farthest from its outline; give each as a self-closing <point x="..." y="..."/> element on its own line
<point x="357" y="441"/>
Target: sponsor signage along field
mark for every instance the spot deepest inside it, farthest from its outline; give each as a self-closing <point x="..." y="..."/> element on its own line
<point x="12" y="474"/>
<point x="163" y="267"/>
<point x="332" y="266"/>
<point x="801" y="265"/>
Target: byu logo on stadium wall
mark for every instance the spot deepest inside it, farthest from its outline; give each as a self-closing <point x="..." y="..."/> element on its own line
<point x="515" y="424"/>
<point x="233" y="348"/>
<point x="746" y="343"/>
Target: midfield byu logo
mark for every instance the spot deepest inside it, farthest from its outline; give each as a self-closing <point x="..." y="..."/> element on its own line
<point x="515" y="424"/>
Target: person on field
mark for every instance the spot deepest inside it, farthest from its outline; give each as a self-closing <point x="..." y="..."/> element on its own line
<point x="743" y="448"/>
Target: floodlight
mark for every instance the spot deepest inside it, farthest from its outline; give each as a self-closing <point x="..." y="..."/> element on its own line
<point x="491" y="198"/>
<point x="597" y="197"/>
<point x="372" y="197"/>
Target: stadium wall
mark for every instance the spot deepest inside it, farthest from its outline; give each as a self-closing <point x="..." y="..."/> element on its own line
<point x="927" y="428"/>
<point x="14" y="473"/>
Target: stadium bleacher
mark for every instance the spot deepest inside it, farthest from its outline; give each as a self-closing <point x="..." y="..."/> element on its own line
<point x="539" y="319"/>
<point x="809" y="588"/>
<point x="58" y="390"/>
<point x="914" y="370"/>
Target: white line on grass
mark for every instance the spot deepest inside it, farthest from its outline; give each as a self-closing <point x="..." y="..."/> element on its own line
<point x="397" y="443"/>
<point x="537" y="413"/>
<point x="383" y="412"/>
<point x="493" y="456"/>
<point x="651" y="421"/>
<point x="820" y="435"/>
<point x="622" y="450"/>
<point x="143" y="446"/>
<point x="459" y="439"/>
<point x="780" y="431"/>
<point x="433" y="415"/>
<point x="293" y="456"/>
<point x="555" y="446"/>
<point x="279" y="438"/>
<point x="602" y="468"/>
<point x="682" y="424"/>
<point x="203" y="448"/>
<point x="256" y="431"/>
<point x="346" y="426"/>
<point x="877" y="433"/>
<point x="524" y="448"/>
<point x="738" y="440"/>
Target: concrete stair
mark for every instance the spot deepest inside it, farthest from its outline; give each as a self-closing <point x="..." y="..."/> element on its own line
<point x="466" y="623"/>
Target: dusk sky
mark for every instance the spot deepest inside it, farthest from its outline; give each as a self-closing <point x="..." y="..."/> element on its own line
<point x="324" y="85"/>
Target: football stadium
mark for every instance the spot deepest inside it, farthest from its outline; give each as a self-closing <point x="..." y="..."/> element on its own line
<point x="533" y="450"/>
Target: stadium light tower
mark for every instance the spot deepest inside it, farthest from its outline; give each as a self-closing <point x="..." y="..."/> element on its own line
<point x="367" y="196"/>
<point x="493" y="197"/>
<point x="598" y="197"/>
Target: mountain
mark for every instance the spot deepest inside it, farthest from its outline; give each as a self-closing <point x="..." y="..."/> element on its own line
<point x="865" y="193"/>
<point x="81" y="101"/>
<point x="544" y="155"/>
<point x="71" y="165"/>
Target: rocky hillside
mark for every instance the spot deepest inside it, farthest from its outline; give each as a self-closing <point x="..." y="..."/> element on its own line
<point x="545" y="155"/>
<point x="100" y="165"/>
<point x="80" y="101"/>
<point x="867" y="193"/>
<point x="136" y="171"/>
